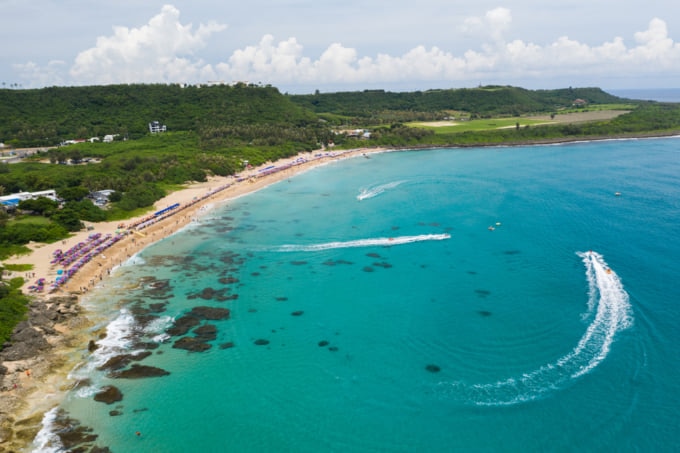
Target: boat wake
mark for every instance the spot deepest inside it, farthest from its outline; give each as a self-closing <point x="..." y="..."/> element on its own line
<point x="609" y="308"/>
<point x="400" y="240"/>
<point x="376" y="190"/>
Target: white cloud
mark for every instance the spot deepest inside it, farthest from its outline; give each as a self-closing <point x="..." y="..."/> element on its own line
<point x="166" y="51"/>
<point x="339" y="64"/>
<point x="49" y="75"/>
<point x="161" y="50"/>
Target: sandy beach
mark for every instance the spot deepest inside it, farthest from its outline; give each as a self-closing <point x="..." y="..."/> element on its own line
<point x="32" y="386"/>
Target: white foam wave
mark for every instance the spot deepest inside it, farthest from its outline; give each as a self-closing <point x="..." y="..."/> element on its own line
<point x="119" y="338"/>
<point x="362" y="243"/>
<point x="159" y="325"/>
<point x="613" y="313"/>
<point x="376" y="190"/>
<point x="46" y="441"/>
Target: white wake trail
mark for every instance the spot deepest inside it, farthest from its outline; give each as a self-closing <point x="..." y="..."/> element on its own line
<point x="609" y="303"/>
<point x="376" y="190"/>
<point x="399" y="240"/>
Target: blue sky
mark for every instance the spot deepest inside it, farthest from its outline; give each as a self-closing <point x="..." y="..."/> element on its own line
<point x="300" y="46"/>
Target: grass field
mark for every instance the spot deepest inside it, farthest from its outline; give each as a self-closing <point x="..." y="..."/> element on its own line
<point x="576" y="116"/>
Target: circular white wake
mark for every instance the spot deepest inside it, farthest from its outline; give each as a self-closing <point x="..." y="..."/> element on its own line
<point x="612" y="313"/>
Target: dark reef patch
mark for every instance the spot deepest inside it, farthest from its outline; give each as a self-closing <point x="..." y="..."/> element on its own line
<point x="158" y="307"/>
<point x="336" y="262"/>
<point x="137" y="371"/>
<point x="207" y="332"/>
<point x="182" y="325"/>
<point x="211" y="313"/>
<point x="191" y="344"/>
<point x="210" y="293"/>
<point x="228" y="280"/>
<point x="109" y="394"/>
<point x="121" y="361"/>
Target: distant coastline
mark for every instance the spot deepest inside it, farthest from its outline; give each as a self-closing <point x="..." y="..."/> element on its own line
<point x="648" y="94"/>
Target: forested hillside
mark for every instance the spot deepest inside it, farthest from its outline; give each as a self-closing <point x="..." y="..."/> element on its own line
<point x="224" y="115"/>
<point x="422" y="105"/>
<point x="45" y="117"/>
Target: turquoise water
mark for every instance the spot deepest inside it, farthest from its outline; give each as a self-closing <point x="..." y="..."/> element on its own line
<point x="497" y="299"/>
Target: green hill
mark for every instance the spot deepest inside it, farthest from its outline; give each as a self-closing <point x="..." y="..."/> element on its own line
<point x="47" y="116"/>
<point x="482" y="102"/>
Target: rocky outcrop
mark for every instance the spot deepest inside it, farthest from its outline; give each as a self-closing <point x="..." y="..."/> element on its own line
<point x="30" y="337"/>
<point x="109" y="395"/>
<point x="137" y="371"/>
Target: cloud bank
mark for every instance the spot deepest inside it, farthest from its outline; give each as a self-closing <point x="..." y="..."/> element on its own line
<point x="166" y="51"/>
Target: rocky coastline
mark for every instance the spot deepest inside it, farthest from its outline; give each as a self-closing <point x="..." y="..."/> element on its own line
<point x="29" y="359"/>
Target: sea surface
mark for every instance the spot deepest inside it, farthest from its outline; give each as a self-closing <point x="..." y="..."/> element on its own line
<point x="492" y="299"/>
<point x="648" y="94"/>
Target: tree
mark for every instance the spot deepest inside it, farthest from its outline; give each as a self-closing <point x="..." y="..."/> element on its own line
<point x="68" y="218"/>
<point x="41" y="206"/>
<point x="76" y="193"/>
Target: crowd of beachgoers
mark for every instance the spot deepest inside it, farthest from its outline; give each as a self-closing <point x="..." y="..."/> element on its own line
<point x="65" y="264"/>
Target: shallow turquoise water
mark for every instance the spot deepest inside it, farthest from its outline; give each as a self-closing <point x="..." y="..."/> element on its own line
<point x="437" y="333"/>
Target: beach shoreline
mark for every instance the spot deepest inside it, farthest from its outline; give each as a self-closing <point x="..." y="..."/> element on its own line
<point x="32" y="386"/>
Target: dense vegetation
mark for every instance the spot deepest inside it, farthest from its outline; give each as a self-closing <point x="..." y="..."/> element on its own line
<point x="379" y="107"/>
<point x="213" y="130"/>
<point x="48" y="116"/>
<point x="13" y="307"/>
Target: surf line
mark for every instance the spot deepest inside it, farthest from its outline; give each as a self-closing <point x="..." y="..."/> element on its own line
<point x="609" y="307"/>
<point x="399" y="240"/>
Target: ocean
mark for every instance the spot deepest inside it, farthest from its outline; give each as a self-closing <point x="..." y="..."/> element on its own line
<point x="490" y="299"/>
<point x="648" y="94"/>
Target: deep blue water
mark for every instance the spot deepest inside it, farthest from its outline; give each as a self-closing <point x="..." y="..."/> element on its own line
<point x="649" y="94"/>
<point x="497" y="299"/>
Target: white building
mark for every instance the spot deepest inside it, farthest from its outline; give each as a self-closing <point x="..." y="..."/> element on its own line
<point x="15" y="198"/>
<point x="156" y="126"/>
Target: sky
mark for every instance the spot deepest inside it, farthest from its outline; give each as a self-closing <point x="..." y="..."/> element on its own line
<point x="300" y="46"/>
